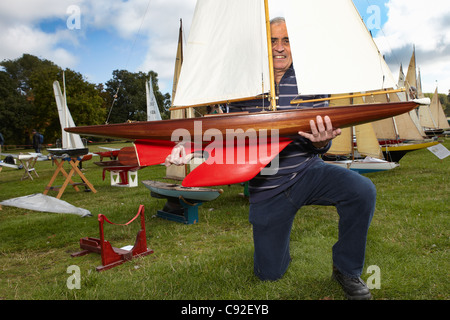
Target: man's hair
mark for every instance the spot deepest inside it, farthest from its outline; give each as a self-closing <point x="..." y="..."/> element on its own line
<point x="277" y="20"/>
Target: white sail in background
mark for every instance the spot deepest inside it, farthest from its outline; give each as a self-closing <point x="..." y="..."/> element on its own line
<point x="438" y="112"/>
<point x="400" y="127"/>
<point x="69" y="140"/>
<point x="332" y="50"/>
<point x="152" y="106"/>
<point x="401" y="77"/>
<point x="226" y="56"/>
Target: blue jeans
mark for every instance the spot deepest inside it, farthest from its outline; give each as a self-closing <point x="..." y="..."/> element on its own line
<point x="354" y="197"/>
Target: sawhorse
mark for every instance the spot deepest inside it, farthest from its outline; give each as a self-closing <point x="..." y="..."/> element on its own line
<point x="73" y="161"/>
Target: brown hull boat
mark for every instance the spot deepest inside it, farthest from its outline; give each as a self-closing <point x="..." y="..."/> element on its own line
<point x="287" y="122"/>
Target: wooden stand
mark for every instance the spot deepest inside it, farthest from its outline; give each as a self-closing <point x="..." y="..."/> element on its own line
<point x="179" y="209"/>
<point x="28" y="163"/>
<point x="112" y="257"/>
<point x="73" y="161"/>
<point x="182" y="203"/>
<point x="121" y="175"/>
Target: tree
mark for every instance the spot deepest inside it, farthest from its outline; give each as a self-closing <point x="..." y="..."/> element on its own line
<point x="27" y="99"/>
<point x="128" y="96"/>
<point x="15" y="112"/>
<point x="33" y="79"/>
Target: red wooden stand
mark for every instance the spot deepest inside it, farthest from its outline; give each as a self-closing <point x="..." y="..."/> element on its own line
<point x="112" y="256"/>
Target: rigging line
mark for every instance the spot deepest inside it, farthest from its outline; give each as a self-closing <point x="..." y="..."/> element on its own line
<point x="112" y="104"/>
<point x="262" y="47"/>
<point x="138" y="33"/>
<point x="387" y="41"/>
<point x="129" y="57"/>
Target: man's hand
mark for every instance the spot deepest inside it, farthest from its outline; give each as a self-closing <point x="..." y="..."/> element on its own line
<point x="322" y="133"/>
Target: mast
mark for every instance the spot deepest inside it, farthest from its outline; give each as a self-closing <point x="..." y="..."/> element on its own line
<point x="272" y="97"/>
<point x="176" y="74"/>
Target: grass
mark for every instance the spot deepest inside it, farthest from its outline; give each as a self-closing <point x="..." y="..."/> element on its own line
<point x="213" y="259"/>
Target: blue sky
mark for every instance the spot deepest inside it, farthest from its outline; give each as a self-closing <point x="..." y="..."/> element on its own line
<point x="141" y="35"/>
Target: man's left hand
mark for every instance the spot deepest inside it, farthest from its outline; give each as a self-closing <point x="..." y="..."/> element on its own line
<point x="321" y="133"/>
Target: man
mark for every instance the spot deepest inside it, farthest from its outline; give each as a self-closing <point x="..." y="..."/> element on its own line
<point x="2" y="141"/>
<point x="36" y="141"/>
<point x="304" y="179"/>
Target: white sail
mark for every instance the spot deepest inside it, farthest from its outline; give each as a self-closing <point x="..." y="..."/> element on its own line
<point x="332" y="50"/>
<point x="226" y="55"/>
<point x="152" y="106"/>
<point x="69" y="140"/>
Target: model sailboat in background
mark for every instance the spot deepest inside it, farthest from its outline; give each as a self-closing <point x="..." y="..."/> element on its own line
<point x="433" y="118"/>
<point x="71" y="143"/>
<point x="357" y="148"/>
<point x="229" y="59"/>
<point x="153" y="113"/>
<point x="402" y="134"/>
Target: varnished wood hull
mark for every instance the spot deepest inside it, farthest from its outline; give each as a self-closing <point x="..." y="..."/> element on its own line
<point x="288" y="123"/>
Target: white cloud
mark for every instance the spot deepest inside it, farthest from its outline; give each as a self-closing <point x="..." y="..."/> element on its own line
<point x="26" y="39"/>
<point x="163" y="37"/>
<point x="425" y="25"/>
<point x="30" y="11"/>
<point x="150" y="28"/>
<point x="19" y="22"/>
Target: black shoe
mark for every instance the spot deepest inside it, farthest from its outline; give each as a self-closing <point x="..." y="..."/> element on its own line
<point x="354" y="288"/>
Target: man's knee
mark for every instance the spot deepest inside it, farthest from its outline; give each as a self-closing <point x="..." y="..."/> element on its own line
<point x="365" y="191"/>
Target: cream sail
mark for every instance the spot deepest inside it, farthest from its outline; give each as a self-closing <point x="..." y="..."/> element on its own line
<point x="438" y="112"/>
<point x="226" y="58"/>
<point x="226" y="55"/>
<point x="332" y="50"/>
<point x="432" y="117"/>
<point x="367" y="155"/>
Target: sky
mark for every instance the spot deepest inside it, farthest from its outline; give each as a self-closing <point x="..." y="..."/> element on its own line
<point x="96" y="37"/>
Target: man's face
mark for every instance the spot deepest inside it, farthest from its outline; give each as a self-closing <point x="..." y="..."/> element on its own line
<point x="281" y="48"/>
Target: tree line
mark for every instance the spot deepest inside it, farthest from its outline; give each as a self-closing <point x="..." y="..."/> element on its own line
<point x="27" y="99"/>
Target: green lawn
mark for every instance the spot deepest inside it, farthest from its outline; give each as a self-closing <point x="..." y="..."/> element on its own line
<point x="213" y="259"/>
